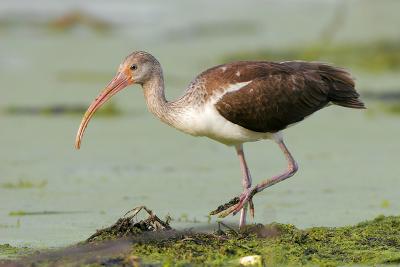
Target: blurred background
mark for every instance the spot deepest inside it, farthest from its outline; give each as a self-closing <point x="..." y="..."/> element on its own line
<point x="55" y="56"/>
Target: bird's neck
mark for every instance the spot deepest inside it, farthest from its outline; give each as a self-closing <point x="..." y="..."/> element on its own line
<point x="156" y="101"/>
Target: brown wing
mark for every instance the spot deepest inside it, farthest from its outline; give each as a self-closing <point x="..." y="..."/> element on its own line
<point x="217" y="78"/>
<point x="287" y="95"/>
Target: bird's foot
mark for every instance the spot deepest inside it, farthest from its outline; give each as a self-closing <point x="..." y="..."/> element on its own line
<point x="236" y="204"/>
<point x="245" y="198"/>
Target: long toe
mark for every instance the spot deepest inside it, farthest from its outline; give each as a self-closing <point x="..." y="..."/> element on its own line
<point x="236" y="204"/>
<point x="223" y="209"/>
<point x="240" y="205"/>
<point x="244" y="198"/>
<point x="251" y="207"/>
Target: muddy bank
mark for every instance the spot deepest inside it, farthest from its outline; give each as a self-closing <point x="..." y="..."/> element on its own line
<point x="151" y="241"/>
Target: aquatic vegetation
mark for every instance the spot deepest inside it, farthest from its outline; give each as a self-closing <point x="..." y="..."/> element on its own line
<point x="64" y="23"/>
<point x="45" y="212"/>
<point x="184" y="217"/>
<point x="367" y="243"/>
<point x="76" y="18"/>
<point x="370" y="57"/>
<point x="18" y="213"/>
<point x="23" y="184"/>
<point x="371" y="242"/>
<point x="385" y="204"/>
<point x="16" y="225"/>
<point x="9" y="252"/>
<point x="110" y="109"/>
<point x="392" y="108"/>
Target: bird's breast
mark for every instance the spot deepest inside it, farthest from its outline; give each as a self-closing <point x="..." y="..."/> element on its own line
<point x="206" y="121"/>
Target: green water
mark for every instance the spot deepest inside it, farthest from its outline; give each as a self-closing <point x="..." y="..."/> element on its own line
<point x="348" y="159"/>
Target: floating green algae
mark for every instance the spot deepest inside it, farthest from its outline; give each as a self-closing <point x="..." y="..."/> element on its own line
<point x="392" y="108"/>
<point x="20" y="213"/>
<point x="108" y="110"/>
<point x="370" y="57"/>
<point x="367" y="243"/>
<point x="371" y="242"/>
<point x="23" y="184"/>
<point x="9" y="252"/>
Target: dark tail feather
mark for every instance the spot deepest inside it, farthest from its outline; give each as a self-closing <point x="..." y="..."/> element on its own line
<point x="341" y="87"/>
<point x="353" y="103"/>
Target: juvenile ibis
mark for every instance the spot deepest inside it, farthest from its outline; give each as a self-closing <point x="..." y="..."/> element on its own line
<point x="235" y="103"/>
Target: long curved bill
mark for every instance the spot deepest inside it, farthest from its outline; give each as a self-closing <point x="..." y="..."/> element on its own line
<point x="119" y="82"/>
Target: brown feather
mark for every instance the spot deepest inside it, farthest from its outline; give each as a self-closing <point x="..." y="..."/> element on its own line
<point x="280" y="94"/>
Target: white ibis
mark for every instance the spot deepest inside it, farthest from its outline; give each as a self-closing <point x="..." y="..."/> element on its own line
<point x="235" y="103"/>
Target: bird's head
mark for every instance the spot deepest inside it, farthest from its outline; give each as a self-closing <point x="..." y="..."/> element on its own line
<point x="137" y="68"/>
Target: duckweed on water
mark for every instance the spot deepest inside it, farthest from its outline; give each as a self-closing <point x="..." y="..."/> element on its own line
<point x="20" y="213"/>
<point x="109" y="110"/>
<point x="23" y="184"/>
<point x="392" y="108"/>
<point x="10" y="252"/>
<point x="367" y="243"/>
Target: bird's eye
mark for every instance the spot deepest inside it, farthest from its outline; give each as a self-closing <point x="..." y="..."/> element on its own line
<point x="134" y="67"/>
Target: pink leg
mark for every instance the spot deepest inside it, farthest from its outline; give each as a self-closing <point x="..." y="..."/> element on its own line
<point x="246" y="183"/>
<point x="292" y="169"/>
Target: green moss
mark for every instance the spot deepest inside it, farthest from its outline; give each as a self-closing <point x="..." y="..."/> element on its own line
<point x="8" y="249"/>
<point x="23" y="184"/>
<point x="371" y="57"/>
<point x="9" y="252"/>
<point x="371" y="242"/>
<point x="375" y="242"/>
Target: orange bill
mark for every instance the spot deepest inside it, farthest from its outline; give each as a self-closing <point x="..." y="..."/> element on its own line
<point x="119" y="82"/>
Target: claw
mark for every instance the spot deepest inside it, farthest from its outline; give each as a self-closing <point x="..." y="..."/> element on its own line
<point x="226" y="212"/>
<point x="227" y="206"/>
<point x="242" y="202"/>
<point x="251" y="208"/>
<point x="236" y="204"/>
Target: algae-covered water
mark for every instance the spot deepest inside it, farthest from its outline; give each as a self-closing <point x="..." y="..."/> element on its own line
<point x="52" y="195"/>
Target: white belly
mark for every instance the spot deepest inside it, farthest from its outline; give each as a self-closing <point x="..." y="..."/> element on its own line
<point x="206" y="121"/>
